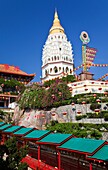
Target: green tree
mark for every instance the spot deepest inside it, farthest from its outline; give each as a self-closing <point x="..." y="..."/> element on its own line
<point x="15" y="155"/>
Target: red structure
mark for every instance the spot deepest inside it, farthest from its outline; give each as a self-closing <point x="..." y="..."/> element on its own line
<point x="8" y="73"/>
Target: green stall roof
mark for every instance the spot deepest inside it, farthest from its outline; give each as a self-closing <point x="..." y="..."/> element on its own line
<point x="36" y="134"/>
<point x="82" y="145"/>
<point x="5" y="126"/>
<point x="2" y="123"/>
<point x="55" y="138"/>
<point x="12" y="129"/>
<point x="101" y="154"/>
<point x="23" y="131"/>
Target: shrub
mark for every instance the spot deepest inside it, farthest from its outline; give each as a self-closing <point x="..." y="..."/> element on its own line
<point x="94" y="106"/>
<point x="80" y="117"/>
<point x="106" y="117"/>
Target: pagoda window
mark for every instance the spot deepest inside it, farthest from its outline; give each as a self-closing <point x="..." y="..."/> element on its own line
<point x="50" y="70"/>
<point x="66" y="58"/>
<point x="63" y="69"/>
<point x="48" y="59"/>
<point x="70" y="71"/>
<point x="60" y="49"/>
<point x="51" y="38"/>
<point x="54" y="57"/>
<point x="59" y="37"/>
<point x="58" y="57"/>
<point x="67" y="69"/>
<point x="55" y="69"/>
<point x="59" y="68"/>
<point x="46" y="72"/>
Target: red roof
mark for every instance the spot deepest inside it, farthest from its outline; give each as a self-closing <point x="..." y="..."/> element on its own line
<point x="33" y="163"/>
<point x="5" y="68"/>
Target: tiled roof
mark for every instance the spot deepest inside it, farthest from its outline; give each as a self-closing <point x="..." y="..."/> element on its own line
<point x="5" y="68"/>
<point x="2" y="123"/>
<point x="23" y="131"/>
<point x="5" y="126"/>
<point x="36" y="134"/>
<point x="12" y="129"/>
<point x="82" y="145"/>
<point x="55" y="138"/>
<point x="101" y="154"/>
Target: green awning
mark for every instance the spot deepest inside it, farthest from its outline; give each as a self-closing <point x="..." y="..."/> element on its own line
<point x="5" y="126"/>
<point x="101" y="154"/>
<point x="12" y="129"/>
<point x="36" y="134"/>
<point x="81" y="145"/>
<point x="55" y="138"/>
<point x="23" y="131"/>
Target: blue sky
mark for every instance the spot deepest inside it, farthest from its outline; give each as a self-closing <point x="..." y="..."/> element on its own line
<point x="25" y="24"/>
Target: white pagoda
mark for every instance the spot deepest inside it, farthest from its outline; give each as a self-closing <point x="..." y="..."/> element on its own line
<point x="57" y="57"/>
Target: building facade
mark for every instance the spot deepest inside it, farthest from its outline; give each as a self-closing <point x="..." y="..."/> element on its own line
<point x="57" y="54"/>
<point x="8" y="76"/>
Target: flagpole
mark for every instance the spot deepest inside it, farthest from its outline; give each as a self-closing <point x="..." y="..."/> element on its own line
<point x="84" y="57"/>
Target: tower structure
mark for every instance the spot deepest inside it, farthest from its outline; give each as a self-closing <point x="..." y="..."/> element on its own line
<point x="57" y="56"/>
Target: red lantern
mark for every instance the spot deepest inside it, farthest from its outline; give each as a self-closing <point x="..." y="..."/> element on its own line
<point x="79" y="112"/>
<point x="94" y="95"/>
<point x="83" y="102"/>
<point x="98" y="100"/>
<point x="53" y="114"/>
<point x="97" y="111"/>
<point x="64" y="113"/>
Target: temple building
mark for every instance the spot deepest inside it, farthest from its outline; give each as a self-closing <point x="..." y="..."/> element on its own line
<point x="57" y="55"/>
<point x="9" y="75"/>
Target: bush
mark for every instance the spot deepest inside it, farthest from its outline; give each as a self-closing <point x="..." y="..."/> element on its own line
<point x="106" y="117"/>
<point x="94" y="106"/>
<point x="80" y="117"/>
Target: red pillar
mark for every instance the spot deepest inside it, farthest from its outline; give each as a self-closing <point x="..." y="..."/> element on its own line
<point x="91" y="166"/>
<point x="38" y="155"/>
<point x="59" y="160"/>
<point x="3" y="138"/>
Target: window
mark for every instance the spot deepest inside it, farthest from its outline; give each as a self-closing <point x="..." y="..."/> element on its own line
<point x="55" y="69"/>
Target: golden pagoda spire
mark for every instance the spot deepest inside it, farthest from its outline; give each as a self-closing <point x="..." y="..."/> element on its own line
<point x="56" y="28"/>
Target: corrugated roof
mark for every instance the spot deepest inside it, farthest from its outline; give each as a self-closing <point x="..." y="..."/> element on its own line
<point x="82" y="145"/>
<point x="11" y="129"/>
<point x="36" y="134"/>
<point x="5" y="126"/>
<point x="101" y="154"/>
<point x="56" y="138"/>
<point x="22" y="131"/>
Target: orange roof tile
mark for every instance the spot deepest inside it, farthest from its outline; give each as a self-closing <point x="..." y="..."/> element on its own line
<point x="5" y="68"/>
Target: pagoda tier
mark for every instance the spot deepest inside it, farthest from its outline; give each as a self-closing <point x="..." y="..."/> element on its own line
<point x="57" y="57"/>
